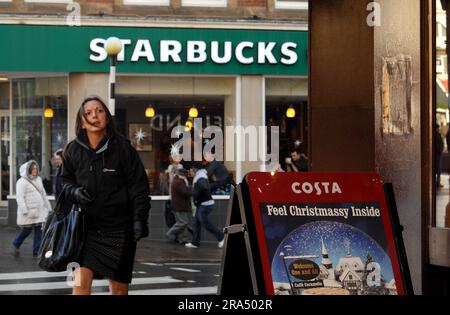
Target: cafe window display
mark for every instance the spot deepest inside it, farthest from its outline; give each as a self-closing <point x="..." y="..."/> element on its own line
<point x="148" y="123"/>
<point x="287" y="109"/>
<point x="39" y="124"/>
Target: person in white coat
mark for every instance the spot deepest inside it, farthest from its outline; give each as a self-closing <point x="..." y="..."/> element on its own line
<point x="32" y="206"/>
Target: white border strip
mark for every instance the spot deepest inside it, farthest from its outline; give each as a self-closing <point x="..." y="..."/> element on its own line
<point x="299" y="5"/>
<point x="204" y="3"/>
<point x="238" y="142"/>
<point x="147" y="2"/>
<point x="263" y="141"/>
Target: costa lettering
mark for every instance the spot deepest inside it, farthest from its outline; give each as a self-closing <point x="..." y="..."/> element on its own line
<point x="317" y="188"/>
<point x="174" y="51"/>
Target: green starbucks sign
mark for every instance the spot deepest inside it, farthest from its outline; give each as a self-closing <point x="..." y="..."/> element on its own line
<point x="154" y="50"/>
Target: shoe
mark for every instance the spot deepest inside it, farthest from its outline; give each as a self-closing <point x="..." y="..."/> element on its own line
<point x="35" y="255"/>
<point x="16" y="251"/>
<point x="220" y="245"/>
<point x="190" y="245"/>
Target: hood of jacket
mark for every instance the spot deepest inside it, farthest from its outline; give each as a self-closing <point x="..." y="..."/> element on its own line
<point x="201" y="173"/>
<point x="24" y="169"/>
<point x="83" y="140"/>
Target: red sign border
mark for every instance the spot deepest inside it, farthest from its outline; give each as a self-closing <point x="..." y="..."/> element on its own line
<point x="380" y="197"/>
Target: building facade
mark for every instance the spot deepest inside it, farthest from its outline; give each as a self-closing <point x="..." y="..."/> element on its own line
<point x="240" y="63"/>
<point x="226" y="57"/>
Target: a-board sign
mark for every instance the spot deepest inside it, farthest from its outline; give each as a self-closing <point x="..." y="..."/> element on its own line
<point x="319" y="234"/>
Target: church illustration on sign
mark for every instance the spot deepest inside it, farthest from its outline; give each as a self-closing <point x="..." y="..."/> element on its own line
<point x="350" y="277"/>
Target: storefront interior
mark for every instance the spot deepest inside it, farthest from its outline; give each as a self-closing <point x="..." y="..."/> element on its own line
<point x="25" y="104"/>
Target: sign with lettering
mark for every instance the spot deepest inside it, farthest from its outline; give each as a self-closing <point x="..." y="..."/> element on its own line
<point x="154" y="50"/>
<point x="323" y="234"/>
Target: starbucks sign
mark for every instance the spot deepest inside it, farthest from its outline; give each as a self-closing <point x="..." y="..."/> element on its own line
<point x="154" y="50"/>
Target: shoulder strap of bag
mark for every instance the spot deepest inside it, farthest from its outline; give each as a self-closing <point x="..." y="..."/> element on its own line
<point x="39" y="191"/>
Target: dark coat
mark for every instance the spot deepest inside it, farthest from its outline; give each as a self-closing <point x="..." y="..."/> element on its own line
<point x="58" y="182"/>
<point x="218" y="172"/>
<point x="114" y="175"/>
<point x="181" y="195"/>
<point x="201" y="191"/>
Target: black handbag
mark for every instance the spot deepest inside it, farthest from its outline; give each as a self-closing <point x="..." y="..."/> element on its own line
<point x="62" y="239"/>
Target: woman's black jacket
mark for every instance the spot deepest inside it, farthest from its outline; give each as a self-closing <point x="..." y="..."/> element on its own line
<point x="114" y="176"/>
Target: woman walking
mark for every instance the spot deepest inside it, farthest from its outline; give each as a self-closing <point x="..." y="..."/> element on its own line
<point x="32" y="206"/>
<point x="103" y="173"/>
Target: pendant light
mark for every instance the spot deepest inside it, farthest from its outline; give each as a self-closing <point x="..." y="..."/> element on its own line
<point x="188" y="125"/>
<point x="149" y="111"/>
<point x="290" y="112"/>
<point x="193" y="112"/>
<point x="48" y="112"/>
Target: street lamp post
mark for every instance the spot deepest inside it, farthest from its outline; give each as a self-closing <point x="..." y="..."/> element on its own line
<point x="113" y="46"/>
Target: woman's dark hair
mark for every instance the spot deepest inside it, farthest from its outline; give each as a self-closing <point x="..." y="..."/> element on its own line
<point x="30" y="167"/>
<point x="110" y="124"/>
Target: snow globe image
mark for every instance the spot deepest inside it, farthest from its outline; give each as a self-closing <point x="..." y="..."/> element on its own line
<point x="331" y="258"/>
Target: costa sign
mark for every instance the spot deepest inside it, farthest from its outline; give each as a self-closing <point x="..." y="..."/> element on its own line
<point x="317" y="188"/>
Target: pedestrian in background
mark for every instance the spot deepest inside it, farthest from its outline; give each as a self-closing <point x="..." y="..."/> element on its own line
<point x="218" y="175"/>
<point x="103" y="173"/>
<point x="201" y="192"/>
<point x="58" y="158"/>
<point x="298" y="162"/>
<point x="32" y="206"/>
<point x="175" y="164"/>
<point x="181" y="204"/>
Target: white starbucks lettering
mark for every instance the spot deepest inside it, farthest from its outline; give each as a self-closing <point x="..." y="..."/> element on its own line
<point x="196" y="51"/>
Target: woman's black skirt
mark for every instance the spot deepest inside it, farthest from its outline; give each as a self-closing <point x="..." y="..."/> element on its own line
<point x="109" y="254"/>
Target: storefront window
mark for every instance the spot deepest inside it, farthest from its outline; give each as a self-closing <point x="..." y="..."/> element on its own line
<point x="170" y="100"/>
<point x="4" y="140"/>
<point x="38" y="137"/>
<point x="442" y="131"/>
<point x="286" y="108"/>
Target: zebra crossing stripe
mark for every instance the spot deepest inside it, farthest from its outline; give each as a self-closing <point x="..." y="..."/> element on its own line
<point x="192" y="264"/>
<point x="170" y="291"/>
<point x="31" y="275"/>
<point x="184" y="269"/>
<point x="96" y="283"/>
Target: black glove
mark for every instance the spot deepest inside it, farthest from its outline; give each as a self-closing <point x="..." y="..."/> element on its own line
<point x="140" y="230"/>
<point x="81" y="196"/>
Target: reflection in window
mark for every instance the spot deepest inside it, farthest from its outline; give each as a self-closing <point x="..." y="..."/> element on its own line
<point x="286" y="108"/>
<point x="37" y="137"/>
<point x="151" y="136"/>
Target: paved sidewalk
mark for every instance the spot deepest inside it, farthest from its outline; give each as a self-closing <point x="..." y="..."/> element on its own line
<point x="147" y="251"/>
